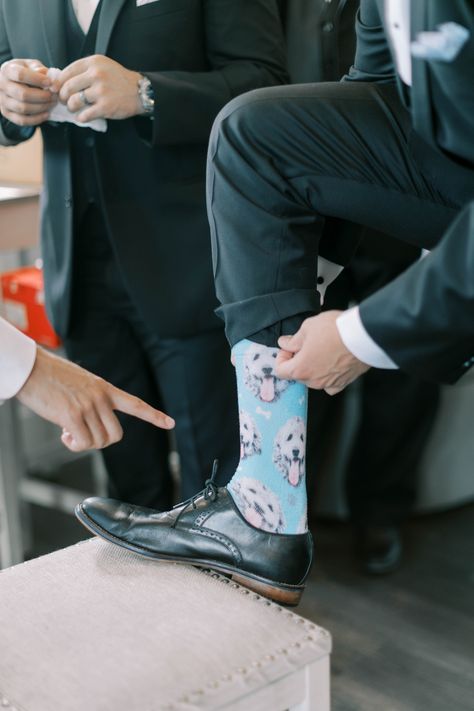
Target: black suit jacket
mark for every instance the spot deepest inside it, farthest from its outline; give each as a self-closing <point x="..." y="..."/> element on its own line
<point x="441" y="99"/>
<point x="199" y="54"/>
<point x="320" y="38"/>
<point x="425" y="319"/>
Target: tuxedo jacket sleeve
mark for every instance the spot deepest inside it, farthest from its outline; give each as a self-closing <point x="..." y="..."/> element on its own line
<point x="245" y="50"/>
<point x="373" y="60"/>
<point x="424" y="320"/>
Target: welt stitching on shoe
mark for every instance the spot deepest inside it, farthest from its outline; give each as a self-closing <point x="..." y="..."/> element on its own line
<point x="280" y="583"/>
<point x="222" y="539"/>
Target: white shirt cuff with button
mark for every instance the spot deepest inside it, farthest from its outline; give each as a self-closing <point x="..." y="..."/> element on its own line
<point x="359" y="343"/>
<point x="17" y="358"/>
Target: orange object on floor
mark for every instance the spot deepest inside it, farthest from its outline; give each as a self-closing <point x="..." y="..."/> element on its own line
<point x="23" y="305"/>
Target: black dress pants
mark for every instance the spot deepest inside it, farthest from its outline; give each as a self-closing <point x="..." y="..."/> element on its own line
<point x="294" y="172"/>
<point x="397" y="410"/>
<point x="192" y="379"/>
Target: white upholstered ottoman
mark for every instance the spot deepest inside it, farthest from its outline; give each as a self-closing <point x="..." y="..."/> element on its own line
<point x="96" y="628"/>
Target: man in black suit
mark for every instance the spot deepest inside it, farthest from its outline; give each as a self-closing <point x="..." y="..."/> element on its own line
<point x="397" y="410"/>
<point x="389" y="148"/>
<point x="125" y="236"/>
<point x="293" y="173"/>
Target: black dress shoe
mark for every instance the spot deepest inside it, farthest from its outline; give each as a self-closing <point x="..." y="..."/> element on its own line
<point x="207" y="531"/>
<point x="379" y="549"/>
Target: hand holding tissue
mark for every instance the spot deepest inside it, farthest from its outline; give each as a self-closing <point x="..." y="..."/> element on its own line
<point x="61" y="114"/>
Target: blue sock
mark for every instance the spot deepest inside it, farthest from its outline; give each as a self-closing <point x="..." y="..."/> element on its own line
<point x="269" y="485"/>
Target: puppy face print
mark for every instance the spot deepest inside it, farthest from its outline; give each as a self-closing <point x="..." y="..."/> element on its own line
<point x="289" y="450"/>
<point x="250" y="439"/>
<point x="258" y="505"/>
<point x="259" y="373"/>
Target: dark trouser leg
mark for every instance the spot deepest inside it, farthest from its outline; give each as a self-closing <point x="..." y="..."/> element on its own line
<point x="397" y="416"/>
<point x="190" y="378"/>
<point x="197" y="382"/>
<point x="102" y="340"/>
<point x="290" y="167"/>
<point x="398" y="410"/>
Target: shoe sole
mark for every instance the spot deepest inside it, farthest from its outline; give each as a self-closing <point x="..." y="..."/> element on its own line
<point x="288" y="595"/>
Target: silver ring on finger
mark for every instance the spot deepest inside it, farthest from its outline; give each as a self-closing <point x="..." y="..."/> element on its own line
<point x="85" y="101"/>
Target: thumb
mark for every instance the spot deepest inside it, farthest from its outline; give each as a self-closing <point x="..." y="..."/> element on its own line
<point x="291" y="343"/>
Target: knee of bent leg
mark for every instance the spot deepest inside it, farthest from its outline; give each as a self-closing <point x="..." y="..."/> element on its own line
<point x="243" y="120"/>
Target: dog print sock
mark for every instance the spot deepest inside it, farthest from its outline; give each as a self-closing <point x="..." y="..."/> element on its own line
<point x="269" y="486"/>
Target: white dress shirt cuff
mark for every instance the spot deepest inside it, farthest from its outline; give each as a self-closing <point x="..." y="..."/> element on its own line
<point x="359" y="343"/>
<point x="17" y="358"/>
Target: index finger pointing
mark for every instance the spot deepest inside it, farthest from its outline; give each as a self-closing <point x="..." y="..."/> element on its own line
<point x="131" y="405"/>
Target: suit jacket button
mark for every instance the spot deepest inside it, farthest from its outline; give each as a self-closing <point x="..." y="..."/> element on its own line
<point x="90" y="142"/>
<point x="68" y="201"/>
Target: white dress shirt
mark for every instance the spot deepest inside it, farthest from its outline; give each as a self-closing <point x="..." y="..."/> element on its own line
<point x="17" y="358"/>
<point x="397" y="19"/>
<point x="85" y="10"/>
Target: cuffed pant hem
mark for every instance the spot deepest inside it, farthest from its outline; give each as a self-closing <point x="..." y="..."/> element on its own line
<point x="266" y="317"/>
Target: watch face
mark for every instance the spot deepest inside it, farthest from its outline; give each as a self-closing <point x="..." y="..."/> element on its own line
<point x="149" y="91"/>
<point x="147" y="95"/>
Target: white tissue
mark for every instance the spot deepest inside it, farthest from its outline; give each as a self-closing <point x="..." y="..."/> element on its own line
<point x="61" y="113"/>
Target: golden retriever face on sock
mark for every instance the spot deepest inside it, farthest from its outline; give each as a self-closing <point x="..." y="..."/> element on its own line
<point x="258" y="504"/>
<point x="250" y="438"/>
<point x="289" y="450"/>
<point x="259" y="373"/>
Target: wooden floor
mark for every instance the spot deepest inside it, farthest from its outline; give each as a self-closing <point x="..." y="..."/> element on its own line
<point x="401" y="643"/>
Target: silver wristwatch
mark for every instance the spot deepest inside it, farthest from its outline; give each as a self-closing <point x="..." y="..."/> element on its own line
<point x="146" y="95"/>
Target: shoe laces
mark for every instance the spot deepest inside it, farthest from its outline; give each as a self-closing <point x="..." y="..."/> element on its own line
<point x="209" y="493"/>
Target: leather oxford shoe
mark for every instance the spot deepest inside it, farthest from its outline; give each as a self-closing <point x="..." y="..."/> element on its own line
<point x="210" y="532"/>
<point x="379" y="549"/>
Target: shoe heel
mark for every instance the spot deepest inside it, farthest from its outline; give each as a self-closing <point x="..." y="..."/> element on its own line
<point x="282" y="596"/>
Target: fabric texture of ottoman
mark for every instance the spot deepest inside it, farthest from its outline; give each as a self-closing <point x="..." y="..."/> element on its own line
<point x="96" y="628"/>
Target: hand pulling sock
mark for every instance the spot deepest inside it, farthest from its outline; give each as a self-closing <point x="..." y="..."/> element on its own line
<point x="269" y="485"/>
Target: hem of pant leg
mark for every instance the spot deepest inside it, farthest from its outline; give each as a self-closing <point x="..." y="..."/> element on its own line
<point x="251" y="316"/>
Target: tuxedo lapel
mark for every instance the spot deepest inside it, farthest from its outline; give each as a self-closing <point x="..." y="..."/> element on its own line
<point x="420" y="95"/>
<point x="53" y="20"/>
<point x="108" y="16"/>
